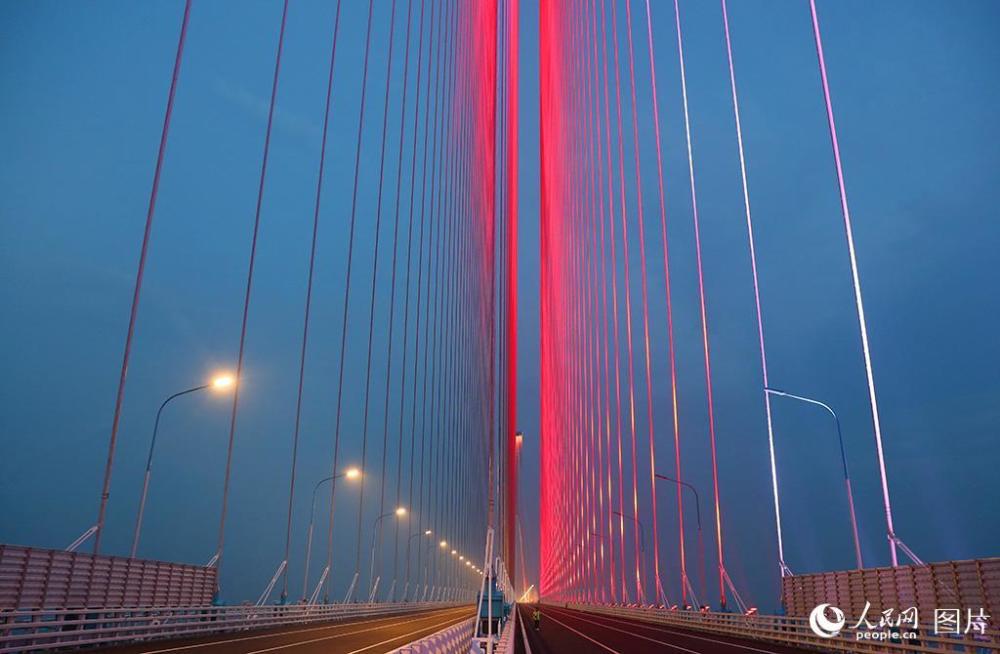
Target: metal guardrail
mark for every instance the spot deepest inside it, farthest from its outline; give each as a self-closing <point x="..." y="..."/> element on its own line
<point x="456" y="639"/>
<point x="39" y="629"/>
<point x="796" y="631"/>
<point x="35" y="578"/>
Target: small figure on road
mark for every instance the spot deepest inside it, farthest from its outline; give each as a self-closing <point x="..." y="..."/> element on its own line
<point x="537" y="617"/>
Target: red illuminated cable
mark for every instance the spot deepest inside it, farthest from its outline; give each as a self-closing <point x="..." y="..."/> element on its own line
<point x="640" y="594"/>
<point x="513" y="45"/>
<point x="593" y="394"/>
<point x="614" y="292"/>
<point x="670" y="313"/>
<point x="604" y="316"/>
<point x="704" y="317"/>
<point x="645" y="308"/>
<point x="600" y="306"/>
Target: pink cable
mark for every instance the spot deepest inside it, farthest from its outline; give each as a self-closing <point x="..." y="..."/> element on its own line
<point x="704" y="318"/>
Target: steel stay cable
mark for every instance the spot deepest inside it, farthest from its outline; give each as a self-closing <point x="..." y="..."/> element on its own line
<point x="445" y="174"/>
<point x="434" y="29"/>
<point x="420" y="251"/>
<point x="409" y="241"/>
<point x="433" y="492"/>
<point x="392" y="292"/>
<point x="307" y="311"/>
<point x="371" y="309"/>
<point x="249" y="285"/>
<point x="139" y="275"/>
<point x="347" y="296"/>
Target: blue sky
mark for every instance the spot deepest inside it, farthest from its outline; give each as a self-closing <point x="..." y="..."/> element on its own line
<point x="82" y="89"/>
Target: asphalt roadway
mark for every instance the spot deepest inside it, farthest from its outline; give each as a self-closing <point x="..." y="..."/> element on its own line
<point x="565" y="631"/>
<point x="368" y="636"/>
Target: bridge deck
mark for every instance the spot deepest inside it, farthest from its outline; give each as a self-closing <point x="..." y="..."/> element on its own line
<point x="564" y="630"/>
<point x="370" y="636"/>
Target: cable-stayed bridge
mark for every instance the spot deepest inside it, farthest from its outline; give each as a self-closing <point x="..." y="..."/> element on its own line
<point x="411" y="538"/>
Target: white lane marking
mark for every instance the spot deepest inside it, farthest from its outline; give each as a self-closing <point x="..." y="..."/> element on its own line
<point x="435" y="627"/>
<point x="277" y="634"/>
<point x="580" y="633"/>
<point x="524" y="636"/>
<point x="656" y="627"/>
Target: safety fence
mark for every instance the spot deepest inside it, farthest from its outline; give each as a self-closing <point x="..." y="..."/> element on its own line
<point x="961" y="585"/>
<point x="797" y="631"/>
<point x="38" y="578"/>
<point x="33" y="630"/>
<point x="456" y="639"/>
<point x="509" y="634"/>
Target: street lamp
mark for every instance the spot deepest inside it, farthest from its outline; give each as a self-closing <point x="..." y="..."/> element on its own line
<point x="843" y="460"/>
<point x="701" y="543"/>
<point x="642" y="532"/>
<point x="426" y="532"/>
<point x="400" y="512"/>
<point x="351" y="474"/>
<point x="219" y="383"/>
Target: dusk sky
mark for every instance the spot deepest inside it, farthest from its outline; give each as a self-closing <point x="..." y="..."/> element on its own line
<point x="914" y="86"/>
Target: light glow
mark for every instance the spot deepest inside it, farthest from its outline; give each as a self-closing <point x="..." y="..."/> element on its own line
<point x="223" y="381"/>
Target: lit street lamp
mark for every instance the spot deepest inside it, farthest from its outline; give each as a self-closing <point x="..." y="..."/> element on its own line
<point x="219" y="383"/>
<point x="350" y="473"/>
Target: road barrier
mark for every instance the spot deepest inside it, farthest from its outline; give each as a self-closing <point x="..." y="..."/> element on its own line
<point x="38" y="578"/>
<point x="952" y="584"/>
<point x="456" y="639"/>
<point x="796" y="631"/>
<point x="47" y="629"/>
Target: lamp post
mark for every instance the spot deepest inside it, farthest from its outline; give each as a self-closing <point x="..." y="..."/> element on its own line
<point x="642" y="532"/>
<point x="426" y="532"/>
<point x="843" y="460"/>
<point x="219" y="383"/>
<point x="400" y="512"/>
<point x="701" y="543"/>
<point x="350" y="473"/>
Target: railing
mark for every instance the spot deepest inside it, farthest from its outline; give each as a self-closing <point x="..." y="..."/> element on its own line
<point x="39" y="629"/>
<point x="456" y="639"/>
<point x="796" y="631"/>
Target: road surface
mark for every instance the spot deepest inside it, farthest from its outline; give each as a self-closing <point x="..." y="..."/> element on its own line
<point x="576" y="632"/>
<point x="361" y="636"/>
